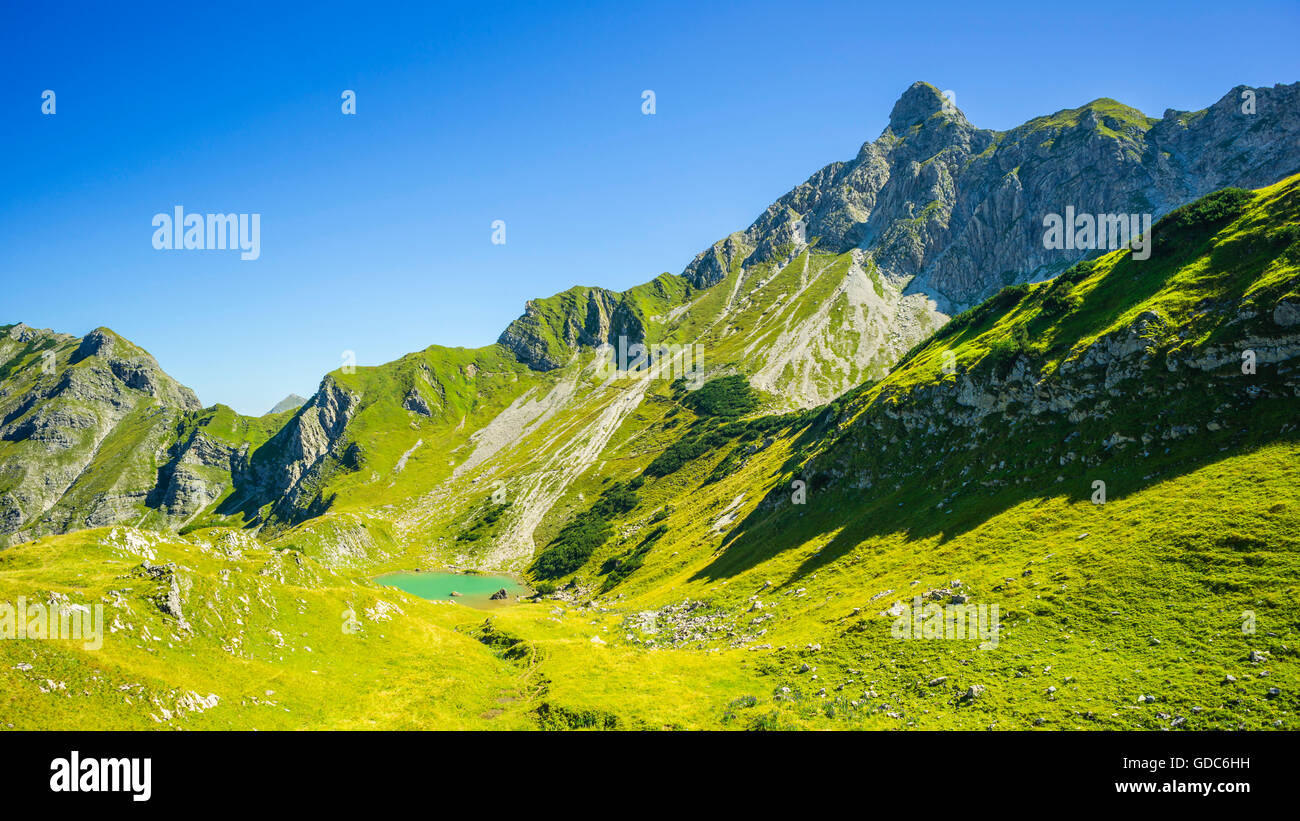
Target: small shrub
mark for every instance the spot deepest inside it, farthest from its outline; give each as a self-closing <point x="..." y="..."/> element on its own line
<point x="727" y="397"/>
<point x="1211" y="211"/>
<point x="1057" y="303"/>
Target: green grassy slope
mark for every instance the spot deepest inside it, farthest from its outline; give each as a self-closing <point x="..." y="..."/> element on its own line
<point x="265" y="637"/>
<point x="1102" y="603"/>
<point x="435" y="398"/>
<point x="1141" y="605"/>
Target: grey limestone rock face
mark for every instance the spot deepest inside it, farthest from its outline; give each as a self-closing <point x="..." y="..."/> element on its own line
<point x="64" y="402"/>
<point x="167" y="596"/>
<point x="956" y="211"/>
<point x="416" y="403"/>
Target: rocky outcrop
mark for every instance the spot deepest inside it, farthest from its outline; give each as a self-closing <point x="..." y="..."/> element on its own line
<point x="167" y="597"/>
<point x="1287" y="314"/>
<point x="545" y="337"/>
<point x="1122" y="407"/>
<point x="199" y="472"/>
<point x="416" y="403"/>
<point x="286" y="472"/>
<point x="307" y="439"/>
<point x="1149" y="397"/>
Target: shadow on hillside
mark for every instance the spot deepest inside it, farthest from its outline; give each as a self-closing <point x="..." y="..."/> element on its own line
<point x="914" y="510"/>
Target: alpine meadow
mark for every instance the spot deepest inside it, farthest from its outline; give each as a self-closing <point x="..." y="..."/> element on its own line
<point x="976" y="429"/>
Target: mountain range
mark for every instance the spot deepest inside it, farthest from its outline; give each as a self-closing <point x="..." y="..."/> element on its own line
<point x="904" y="394"/>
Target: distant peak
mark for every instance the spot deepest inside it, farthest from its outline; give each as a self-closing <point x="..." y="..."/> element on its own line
<point x="291" y="402"/>
<point x="918" y="104"/>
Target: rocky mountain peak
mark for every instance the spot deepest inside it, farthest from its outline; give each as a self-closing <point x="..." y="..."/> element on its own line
<point x="22" y="332"/>
<point x="920" y="102"/>
<point x="98" y="342"/>
<point x="132" y="366"/>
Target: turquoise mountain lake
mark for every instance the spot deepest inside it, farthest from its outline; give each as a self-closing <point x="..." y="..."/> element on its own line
<point x="475" y="589"/>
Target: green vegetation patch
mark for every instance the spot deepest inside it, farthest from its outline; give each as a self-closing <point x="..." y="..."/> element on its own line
<point x="728" y="396"/>
<point x="587" y="531"/>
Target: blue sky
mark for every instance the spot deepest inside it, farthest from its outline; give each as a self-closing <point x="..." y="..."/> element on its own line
<point x="376" y="228"/>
